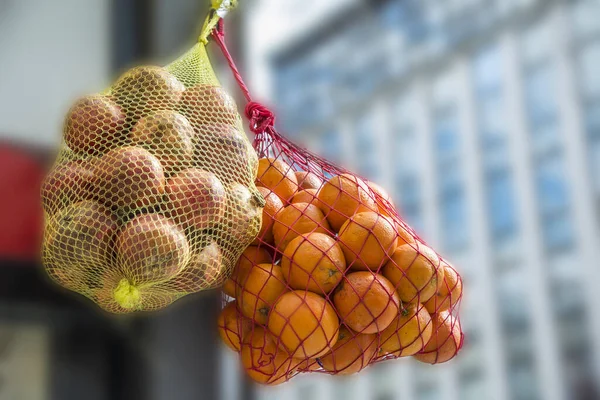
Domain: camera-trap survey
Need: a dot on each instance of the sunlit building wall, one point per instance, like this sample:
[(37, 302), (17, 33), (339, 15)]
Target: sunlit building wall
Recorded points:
[(483, 119)]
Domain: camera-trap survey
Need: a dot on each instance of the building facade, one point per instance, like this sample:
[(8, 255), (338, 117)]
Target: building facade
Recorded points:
[(483, 118)]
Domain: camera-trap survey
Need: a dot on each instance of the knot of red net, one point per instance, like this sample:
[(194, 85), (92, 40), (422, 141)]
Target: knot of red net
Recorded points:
[(260, 117)]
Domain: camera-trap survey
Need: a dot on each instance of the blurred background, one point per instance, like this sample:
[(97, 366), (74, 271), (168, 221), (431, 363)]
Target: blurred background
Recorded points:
[(482, 117)]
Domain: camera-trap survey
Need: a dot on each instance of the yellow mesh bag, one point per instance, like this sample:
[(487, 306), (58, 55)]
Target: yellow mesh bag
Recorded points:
[(152, 196)]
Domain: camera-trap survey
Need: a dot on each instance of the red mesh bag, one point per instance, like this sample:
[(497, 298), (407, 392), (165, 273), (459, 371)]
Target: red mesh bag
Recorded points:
[(336, 280)]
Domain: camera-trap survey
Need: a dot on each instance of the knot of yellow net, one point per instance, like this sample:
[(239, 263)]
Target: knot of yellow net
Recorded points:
[(127, 295), (219, 8)]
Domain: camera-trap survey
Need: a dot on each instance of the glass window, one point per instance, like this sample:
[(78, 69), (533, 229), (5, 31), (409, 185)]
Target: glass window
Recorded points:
[(454, 215), (428, 392), (366, 151), (447, 141), (551, 185), (540, 95), (488, 69), (584, 17), (537, 41), (522, 381), (331, 146), (594, 151), (472, 385), (501, 205), (589, 61), (558, 231)]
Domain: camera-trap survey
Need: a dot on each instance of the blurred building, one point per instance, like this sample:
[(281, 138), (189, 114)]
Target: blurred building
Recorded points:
[(483, 117)]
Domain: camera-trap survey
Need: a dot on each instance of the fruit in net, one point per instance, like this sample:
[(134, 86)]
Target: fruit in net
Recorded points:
[(209, 105), (296, 219), (197, 198), (251, 256), (366, 302), (168, 136), (367, 240), (80, 237), (381, 206), (272, 207), (129, 178), (243, 216), (146, 89), (278, 176), (305, 324), (232, 326), (352, 352), (205, 269), (306, 196), (231, 156), (66, 184), (408, 333), (151, 249), (258, 291), (263, 359), (94, 125), (449, 293), (343, 196), (415, 274), (445, 341), (308, 180), (313, 262)]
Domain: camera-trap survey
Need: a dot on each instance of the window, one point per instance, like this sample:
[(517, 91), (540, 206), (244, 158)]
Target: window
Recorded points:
[(428, 392), (452, 198), (558, 232), (522, 381), (501, 205), (488, 70), (589, 61), (331, 146), (552, 191), (454, 214), (446, 135), (540, 95), (537, 42), (584, 17), (366, 150)]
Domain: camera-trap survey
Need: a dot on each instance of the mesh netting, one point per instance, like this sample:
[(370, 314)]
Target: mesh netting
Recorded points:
[(336, 280), (152, 196)]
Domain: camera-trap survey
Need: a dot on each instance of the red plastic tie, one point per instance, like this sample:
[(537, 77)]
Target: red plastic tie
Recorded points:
[(260, 117)]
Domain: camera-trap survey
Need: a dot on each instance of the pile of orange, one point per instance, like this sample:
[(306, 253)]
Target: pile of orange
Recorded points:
[(335, 282)]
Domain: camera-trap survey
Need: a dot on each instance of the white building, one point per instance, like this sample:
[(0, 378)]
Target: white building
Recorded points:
[(484, 116)]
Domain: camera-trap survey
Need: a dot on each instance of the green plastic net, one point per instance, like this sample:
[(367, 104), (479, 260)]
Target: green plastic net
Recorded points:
[(152, 196)]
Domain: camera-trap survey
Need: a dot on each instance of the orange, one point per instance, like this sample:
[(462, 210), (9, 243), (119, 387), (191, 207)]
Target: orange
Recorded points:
[(295, 220), (233, 326), (279, 177), (306, 196), (262, 285), (343, 196), (366, 302), (306, 365), (404, 236), (368, 239), (408, 333), (352, 352), (449, 292), (308, 180), (264, 361), (229, 288), (305, 323), (313, 262), (415, 274), (445, 342), (272, 206), (251, 256), (383, 209)]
